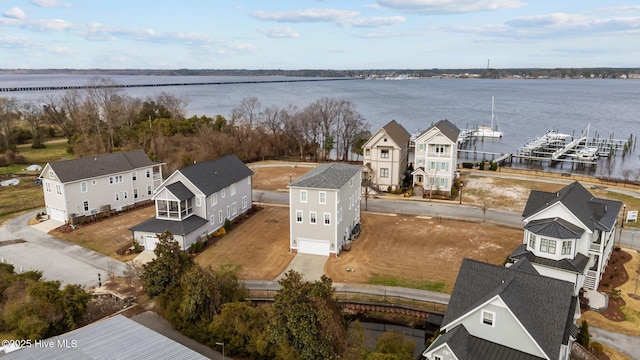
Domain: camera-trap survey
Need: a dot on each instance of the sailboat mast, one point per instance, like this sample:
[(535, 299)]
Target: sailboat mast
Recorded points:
[(492, 112)]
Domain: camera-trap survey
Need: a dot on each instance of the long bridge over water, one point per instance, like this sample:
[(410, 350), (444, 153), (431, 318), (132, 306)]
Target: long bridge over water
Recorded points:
[(111, 86)]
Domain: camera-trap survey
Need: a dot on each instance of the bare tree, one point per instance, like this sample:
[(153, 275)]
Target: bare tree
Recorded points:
[(247, 113), (175, 105), (272, 119), (8, 115), (107, 102), (324, 112), (350, 124), (33, 116), (58, 116)]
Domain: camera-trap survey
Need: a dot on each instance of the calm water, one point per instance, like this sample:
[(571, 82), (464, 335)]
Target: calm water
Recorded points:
[(525, 109)]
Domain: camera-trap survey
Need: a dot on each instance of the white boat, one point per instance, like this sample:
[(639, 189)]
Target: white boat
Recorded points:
[(489, 131)]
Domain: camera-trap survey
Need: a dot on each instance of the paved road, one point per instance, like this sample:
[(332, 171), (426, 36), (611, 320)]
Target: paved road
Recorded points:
[(57, 259), (627, 344)]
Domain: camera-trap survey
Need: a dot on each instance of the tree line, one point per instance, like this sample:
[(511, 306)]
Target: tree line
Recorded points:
[(305, 320), (102, 119)]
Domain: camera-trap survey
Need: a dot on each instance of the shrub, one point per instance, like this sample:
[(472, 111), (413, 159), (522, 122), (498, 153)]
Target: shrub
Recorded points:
[(196, 247), (596, 349), (136, 246), (583, 335), (494, 166), (227, 225), (220, 232), (467, 165)]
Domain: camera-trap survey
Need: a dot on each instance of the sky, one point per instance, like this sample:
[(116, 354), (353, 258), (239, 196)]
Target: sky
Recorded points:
[(318, 34)]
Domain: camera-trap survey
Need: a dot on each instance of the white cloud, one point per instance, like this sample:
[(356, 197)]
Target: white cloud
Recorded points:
[(49, 3), (373, 6), (450, 6), (305, 15), (14, 13), (279, 32), (374, 21)]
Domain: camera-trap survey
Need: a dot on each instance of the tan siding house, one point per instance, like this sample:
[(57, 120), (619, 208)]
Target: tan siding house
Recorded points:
[(386, 157)]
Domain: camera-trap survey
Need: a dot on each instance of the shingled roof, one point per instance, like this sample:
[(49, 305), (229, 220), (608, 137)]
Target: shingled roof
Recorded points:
[(554, 227), (447, 129), (397, 133), (523, 292), (100, 165), (212, 176), (158, 226), (595, 213), (576, 265), (327, 176)]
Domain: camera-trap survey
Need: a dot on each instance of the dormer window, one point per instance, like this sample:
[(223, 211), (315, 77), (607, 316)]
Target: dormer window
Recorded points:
[(566, 247), (548, 246), (488, 318), (532, 241)]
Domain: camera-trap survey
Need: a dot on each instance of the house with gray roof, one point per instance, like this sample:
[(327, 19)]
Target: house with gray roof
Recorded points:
[(569, 234), (195, 201), (386, 157), (324, 208), (502, 313), (436, 157), (93, 184), (117, 337)]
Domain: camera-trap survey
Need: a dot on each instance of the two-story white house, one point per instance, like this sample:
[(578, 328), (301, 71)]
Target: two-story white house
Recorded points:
[(569, 234), (501, 313), (195, 201), (93, 184), (324, 207), (386, 157), (436, 157)]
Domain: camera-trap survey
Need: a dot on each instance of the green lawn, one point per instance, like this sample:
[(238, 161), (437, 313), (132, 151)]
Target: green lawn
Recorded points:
[(27, 195)]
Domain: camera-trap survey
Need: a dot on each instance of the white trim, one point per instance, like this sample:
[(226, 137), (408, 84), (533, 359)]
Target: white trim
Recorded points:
[(491, 319)]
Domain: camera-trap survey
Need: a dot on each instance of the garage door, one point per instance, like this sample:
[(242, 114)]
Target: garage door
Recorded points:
[(150, 242), (315, 247), (57, 214)]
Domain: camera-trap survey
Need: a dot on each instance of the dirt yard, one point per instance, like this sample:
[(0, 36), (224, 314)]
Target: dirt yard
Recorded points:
[(275, 176)]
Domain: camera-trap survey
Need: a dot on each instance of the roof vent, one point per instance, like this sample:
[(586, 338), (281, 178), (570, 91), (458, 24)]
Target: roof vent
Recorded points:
[(557, 194)]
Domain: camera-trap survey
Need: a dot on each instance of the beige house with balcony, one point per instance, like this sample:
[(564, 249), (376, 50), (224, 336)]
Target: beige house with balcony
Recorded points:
[(436, 157), (386, 157), (93, 184)]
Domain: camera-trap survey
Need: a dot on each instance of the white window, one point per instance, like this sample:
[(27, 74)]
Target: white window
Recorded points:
[(234, 208), (313, 217), (148, 189), (85, 205), (135, 193), (532, 241), (115, 179), (47, 186), (350, 201), (58, 189), (249, 180), (126, 196), (303, 196), (244, 202), (117, 196), (566, 247), (214, 199), (299, 216), (420, 161), (327, 218), (350, 182), (220, 218), (384, 154), (488, 318), (232, 189), (223, 192), (323, 197), (384, 172), (52, 175), (148, 173), (83, 187), (339, 215), (134, 176), (94, 181), (212, 219), (366, 152), (228, 212), (548, 246), (437, 357), (422, 147), (198, 201)]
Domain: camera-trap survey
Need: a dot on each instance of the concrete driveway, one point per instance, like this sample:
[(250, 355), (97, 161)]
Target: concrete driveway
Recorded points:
[(57, 259), (310, 266)]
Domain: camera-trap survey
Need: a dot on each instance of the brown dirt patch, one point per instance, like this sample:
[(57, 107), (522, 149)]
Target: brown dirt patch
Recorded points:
[(614, 276), (259, 247), (109, 235), (420, 249), (277, 177)]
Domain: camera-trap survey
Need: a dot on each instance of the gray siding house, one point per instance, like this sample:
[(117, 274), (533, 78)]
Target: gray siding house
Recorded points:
[(195, 201), (502, 313), (324, 207), (93, 184)]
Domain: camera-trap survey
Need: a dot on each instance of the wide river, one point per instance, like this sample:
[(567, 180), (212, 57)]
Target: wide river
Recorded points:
[(524, 109)]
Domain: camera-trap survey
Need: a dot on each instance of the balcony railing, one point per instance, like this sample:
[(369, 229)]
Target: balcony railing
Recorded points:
[(596, 247), (438, 154)]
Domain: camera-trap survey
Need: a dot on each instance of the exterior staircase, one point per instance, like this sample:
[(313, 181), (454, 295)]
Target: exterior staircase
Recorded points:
[(418, 191)]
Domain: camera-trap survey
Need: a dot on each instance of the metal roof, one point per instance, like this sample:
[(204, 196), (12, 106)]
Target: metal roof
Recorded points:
[(117, 337), (555, 227), (100, 165), (576, 265)]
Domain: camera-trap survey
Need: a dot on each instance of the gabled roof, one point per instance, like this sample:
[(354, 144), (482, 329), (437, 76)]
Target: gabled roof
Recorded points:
[(175, 227), (523, 293), (99, 165), (447, 129), (212, 176), (397, 133), (468, 347), (595, 213), (555, 227), (180, 191), (327, 176), (576, 265)]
